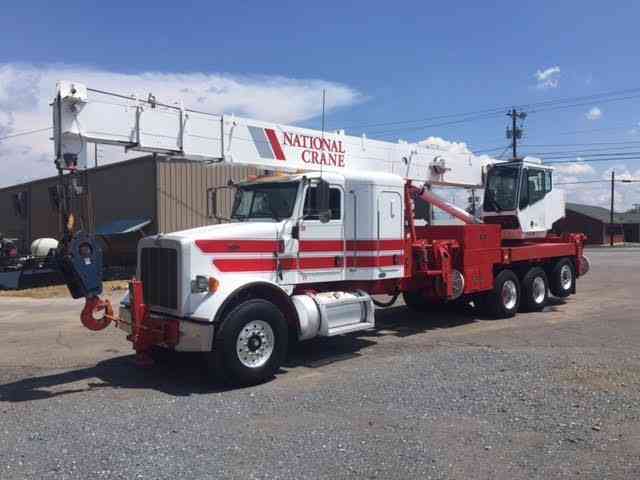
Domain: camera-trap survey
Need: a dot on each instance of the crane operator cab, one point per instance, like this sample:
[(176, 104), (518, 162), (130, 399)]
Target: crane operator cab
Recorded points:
[(520, 196)]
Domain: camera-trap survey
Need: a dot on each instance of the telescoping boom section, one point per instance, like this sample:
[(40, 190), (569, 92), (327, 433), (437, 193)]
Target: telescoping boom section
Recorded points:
[(83, 116), (305, 252)]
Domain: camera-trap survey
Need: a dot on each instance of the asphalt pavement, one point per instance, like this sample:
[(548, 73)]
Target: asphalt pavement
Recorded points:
[(554, 394)]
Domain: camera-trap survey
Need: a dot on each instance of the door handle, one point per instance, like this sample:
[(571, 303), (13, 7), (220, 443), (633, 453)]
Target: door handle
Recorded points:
[(339, 260)]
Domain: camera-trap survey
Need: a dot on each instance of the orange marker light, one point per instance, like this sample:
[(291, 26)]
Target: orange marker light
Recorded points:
[(213, 284)]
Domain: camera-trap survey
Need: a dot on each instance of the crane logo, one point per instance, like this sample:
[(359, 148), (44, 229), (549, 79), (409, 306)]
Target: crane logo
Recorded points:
[(314, 150), (267, 143)]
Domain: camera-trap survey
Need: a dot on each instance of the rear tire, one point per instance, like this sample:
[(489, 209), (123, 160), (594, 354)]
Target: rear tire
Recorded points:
[(563, 278), (535, 290), (251, 344), (504, 300)]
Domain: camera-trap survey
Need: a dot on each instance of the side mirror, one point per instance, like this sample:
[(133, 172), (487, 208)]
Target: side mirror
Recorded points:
[(322, 201), (324, 216), (218, 202)]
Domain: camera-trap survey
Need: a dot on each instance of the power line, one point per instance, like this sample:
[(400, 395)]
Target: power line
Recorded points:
[(581, 153), (593, 160), (27, 132), (574, 132), (423, 127), (551, 145), (535, 107), (582, 104), (590, 155), (598, 181)]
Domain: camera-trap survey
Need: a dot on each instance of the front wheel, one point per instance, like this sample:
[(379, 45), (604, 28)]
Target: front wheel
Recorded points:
[(251, 344), (415, 301)]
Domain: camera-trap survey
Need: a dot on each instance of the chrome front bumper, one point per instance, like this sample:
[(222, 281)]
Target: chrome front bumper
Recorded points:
[(194, 336)]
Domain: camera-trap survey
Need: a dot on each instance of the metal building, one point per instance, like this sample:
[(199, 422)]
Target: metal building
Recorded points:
[(595, 222), (125, 200)]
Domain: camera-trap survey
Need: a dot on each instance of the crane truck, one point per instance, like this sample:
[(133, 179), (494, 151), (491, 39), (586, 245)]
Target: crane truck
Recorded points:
[(308, 246)]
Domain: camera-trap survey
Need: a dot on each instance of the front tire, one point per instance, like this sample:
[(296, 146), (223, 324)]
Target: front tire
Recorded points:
[(535, 288), (251, 344), (415, 301)]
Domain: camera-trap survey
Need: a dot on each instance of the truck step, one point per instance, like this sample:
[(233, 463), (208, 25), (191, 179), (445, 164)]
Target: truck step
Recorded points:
[(354, 327)]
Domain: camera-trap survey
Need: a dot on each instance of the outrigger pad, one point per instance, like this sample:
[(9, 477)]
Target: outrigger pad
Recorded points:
[(80, 262)]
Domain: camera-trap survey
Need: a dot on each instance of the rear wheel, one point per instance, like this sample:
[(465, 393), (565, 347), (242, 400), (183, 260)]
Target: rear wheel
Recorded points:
[(562, 278), (535, 288), (251, 344), (504, 300)]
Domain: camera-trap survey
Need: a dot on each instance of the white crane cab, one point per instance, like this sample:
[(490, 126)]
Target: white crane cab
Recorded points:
[(520, 197)]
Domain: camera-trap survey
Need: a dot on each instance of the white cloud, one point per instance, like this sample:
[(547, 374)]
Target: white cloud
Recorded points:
[(26, 90), (577, 168), (599, 193), (455, 147), (594, 114), (548, 78)]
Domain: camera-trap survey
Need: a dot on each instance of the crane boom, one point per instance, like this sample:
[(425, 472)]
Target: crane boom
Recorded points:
[(83, 115)]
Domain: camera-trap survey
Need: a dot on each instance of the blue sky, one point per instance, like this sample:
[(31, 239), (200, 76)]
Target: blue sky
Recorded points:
[(382, 62)]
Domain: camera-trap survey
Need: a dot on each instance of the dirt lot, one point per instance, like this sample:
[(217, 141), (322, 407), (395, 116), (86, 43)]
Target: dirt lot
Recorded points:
[(544, 395)]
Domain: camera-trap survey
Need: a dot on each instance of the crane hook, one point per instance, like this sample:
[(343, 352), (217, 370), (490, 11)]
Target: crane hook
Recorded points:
[(90, 316)]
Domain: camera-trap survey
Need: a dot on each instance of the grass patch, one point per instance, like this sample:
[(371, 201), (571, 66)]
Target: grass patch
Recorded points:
[(61, 291)]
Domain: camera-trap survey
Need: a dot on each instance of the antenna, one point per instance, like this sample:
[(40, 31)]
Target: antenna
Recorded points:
[(324, 95)]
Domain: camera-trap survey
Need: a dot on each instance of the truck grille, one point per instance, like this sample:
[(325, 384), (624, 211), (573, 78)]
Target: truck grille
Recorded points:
[(159, 275)]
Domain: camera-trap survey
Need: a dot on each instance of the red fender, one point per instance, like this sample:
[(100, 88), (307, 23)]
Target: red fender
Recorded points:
[(93, 306)]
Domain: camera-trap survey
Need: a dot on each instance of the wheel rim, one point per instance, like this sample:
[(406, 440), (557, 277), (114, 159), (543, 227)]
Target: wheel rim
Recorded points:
[(539, 290), (509, 294), (566, 277), (255, 344)]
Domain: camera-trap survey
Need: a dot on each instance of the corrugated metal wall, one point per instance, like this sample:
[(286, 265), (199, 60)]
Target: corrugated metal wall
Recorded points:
[(182, 192), (44, 219), (124, 191), (12, 226), (171, 193)]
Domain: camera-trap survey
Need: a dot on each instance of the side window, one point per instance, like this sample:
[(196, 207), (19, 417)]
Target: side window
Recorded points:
[(548, 184), (524, 190), (335, 204), (536, 181)]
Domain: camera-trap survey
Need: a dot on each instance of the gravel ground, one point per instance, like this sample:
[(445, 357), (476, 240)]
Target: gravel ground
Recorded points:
[(545, 395)]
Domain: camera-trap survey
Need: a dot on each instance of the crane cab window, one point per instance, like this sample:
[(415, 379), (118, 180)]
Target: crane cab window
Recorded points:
[(536, 183), (310, 211)]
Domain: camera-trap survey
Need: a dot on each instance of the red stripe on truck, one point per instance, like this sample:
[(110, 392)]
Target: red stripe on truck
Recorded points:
[(309, 263), (270, 246), (239, 246)]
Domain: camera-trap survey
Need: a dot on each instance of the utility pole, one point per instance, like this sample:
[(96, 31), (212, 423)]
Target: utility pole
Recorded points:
[(613, 182), (514, 133)]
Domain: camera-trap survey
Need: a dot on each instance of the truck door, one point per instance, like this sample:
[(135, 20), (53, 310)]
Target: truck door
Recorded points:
[(536, 184), (321, 253), (390, 235)]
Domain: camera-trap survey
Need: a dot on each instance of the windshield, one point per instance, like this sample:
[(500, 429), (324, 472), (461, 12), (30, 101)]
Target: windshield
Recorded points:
[(502, 189), (265, 200)]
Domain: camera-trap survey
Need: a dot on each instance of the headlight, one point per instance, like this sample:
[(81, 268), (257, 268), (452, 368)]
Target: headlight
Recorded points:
[(202, 284)]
